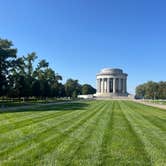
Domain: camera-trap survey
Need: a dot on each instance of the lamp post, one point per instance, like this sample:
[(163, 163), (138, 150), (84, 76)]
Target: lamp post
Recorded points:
[(154, 96)]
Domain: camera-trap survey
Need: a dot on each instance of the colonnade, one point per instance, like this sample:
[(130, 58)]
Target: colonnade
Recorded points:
[(112, 85)]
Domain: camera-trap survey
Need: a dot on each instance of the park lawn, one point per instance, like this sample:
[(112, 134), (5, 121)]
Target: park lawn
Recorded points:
[(84, 133)]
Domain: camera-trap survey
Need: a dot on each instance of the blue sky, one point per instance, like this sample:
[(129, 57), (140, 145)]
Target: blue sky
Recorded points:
[(80, 37)]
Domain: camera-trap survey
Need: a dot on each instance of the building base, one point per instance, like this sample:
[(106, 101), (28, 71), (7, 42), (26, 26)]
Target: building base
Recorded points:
[(111, 95)]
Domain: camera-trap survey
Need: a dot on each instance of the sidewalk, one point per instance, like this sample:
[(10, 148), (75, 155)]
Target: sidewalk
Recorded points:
[(151, 104)]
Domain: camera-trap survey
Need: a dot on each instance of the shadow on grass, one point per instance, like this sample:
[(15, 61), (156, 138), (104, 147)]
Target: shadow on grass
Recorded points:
[(53, 107)]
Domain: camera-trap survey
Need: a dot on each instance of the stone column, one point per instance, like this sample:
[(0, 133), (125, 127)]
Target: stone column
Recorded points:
[(98, 85), (119, 86), (126, 86), (114, 85), (103, 85), (123, 86), (111, 84), (108, 85)]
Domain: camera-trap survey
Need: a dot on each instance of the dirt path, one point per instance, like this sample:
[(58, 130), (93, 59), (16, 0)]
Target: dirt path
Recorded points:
[(151, 104)]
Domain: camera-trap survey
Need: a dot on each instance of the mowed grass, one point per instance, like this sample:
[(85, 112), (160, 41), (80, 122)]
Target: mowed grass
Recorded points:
[(84, 133)]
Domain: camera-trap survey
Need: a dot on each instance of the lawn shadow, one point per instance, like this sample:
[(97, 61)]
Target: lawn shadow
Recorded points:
[(44, 107)]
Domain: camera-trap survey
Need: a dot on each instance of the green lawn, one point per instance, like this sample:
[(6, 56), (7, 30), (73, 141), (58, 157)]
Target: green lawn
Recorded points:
[(86, 133)]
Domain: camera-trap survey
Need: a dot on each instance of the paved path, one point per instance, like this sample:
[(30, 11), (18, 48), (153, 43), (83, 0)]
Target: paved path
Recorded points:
[(151, 104), (65, 102), (33, 106)]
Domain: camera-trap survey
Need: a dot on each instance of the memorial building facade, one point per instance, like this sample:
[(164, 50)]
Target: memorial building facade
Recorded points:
[(111, 82)]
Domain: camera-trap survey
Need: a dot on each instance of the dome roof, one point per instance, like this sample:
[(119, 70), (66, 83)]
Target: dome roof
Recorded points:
[(111, 71)]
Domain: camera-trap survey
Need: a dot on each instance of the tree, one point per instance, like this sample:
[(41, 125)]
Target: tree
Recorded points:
[(45, 89), (74, 94), (141, 91), (88, 89), (29, 60), (49, 85), (152, 90), (36, 89), (162, 90), (72, 88), (61, 90), (7, 58), (19, 78)]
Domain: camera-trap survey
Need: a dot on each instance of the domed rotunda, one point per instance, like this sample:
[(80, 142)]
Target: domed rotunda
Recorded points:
[(111, 82)]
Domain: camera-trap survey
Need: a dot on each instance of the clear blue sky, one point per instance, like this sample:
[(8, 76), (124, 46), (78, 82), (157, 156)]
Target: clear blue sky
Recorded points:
[(80, 37)]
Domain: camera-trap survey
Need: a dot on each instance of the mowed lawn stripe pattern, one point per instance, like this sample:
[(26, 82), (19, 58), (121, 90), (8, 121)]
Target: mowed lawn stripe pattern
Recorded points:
[(153, 137), (45, 144), (85, 133), (75, 117)]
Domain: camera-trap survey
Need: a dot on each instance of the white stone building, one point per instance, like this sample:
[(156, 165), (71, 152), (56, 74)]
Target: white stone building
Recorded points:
[(111, 83)]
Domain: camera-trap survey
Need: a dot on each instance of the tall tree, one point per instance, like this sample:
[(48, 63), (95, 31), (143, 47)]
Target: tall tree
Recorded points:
[(162, 90), (48, 79), (29, 60), (72, 88), (7, 60), (151, 90), (141, 91), (36, 89), (88, 89)]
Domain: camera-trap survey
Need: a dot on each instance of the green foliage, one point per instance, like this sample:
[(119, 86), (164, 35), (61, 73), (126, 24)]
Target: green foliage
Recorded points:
[(7, 61), (29, 59), (152, 90), (74, 94), (88, 89), (36, 88), (72, 88), (19, 78), (162, 90)]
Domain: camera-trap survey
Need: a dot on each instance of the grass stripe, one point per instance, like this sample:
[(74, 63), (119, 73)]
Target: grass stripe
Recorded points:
[(151, 117), (47, 128), (89, 133), (84, 149), (73, 143), (154, 129), (42, 143), (25, 133), (139, 145), (107, 137), (149, 135), (22, 114)]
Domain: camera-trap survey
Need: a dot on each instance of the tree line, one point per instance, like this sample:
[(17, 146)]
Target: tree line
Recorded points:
[(151, 90), (20, 78)]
